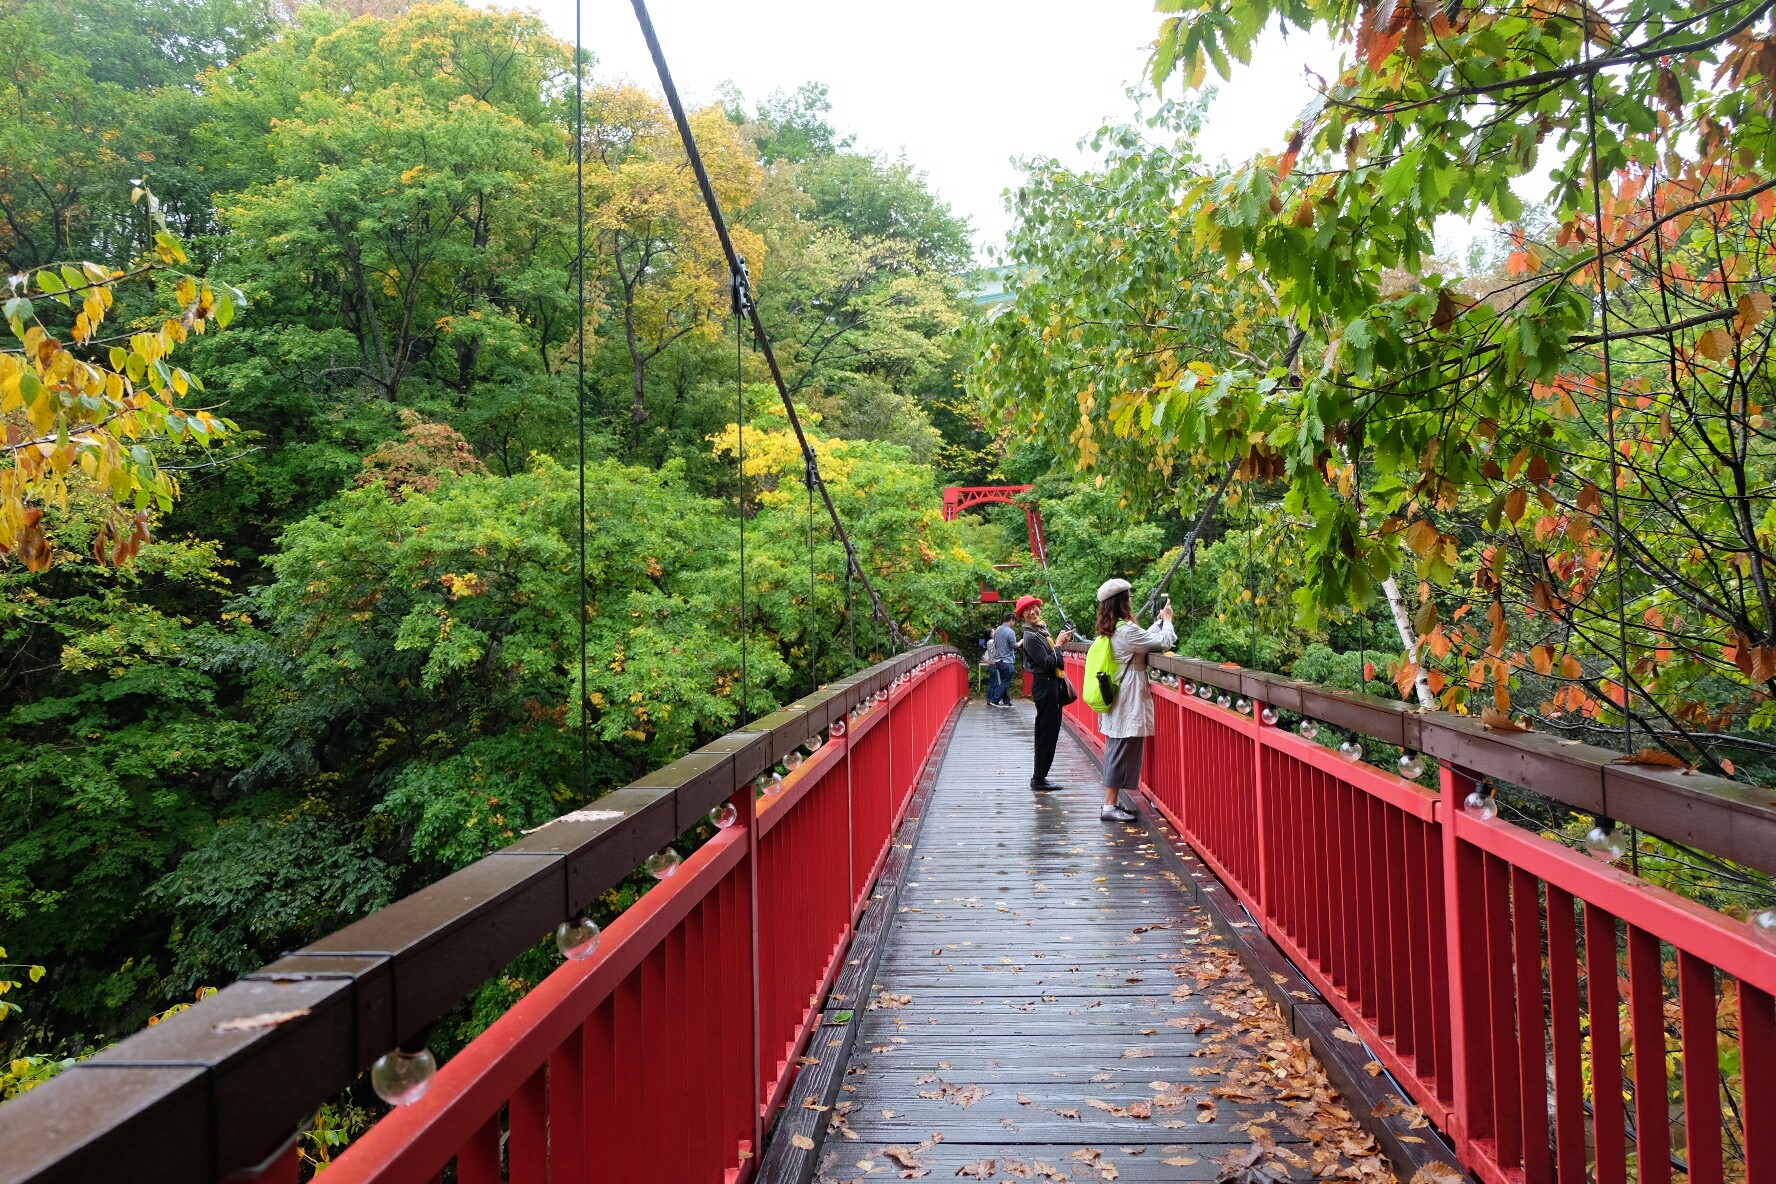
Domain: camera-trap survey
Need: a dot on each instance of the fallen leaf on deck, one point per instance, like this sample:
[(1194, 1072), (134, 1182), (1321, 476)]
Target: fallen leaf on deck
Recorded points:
[(1346, 1035), (802, 1141), (980, 1169), (255, 1023)]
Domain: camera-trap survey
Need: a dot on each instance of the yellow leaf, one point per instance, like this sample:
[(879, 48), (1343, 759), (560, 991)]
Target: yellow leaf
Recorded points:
[(1716, 344)]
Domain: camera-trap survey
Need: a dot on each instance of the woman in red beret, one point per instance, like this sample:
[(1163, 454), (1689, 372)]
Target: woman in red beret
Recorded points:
[(1044, 663)]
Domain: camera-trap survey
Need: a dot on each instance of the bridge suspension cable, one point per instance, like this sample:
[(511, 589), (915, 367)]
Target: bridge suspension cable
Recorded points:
[(749, 310)]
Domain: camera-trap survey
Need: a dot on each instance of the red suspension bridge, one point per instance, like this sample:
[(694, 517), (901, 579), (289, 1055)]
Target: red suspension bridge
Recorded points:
[(1501, 981)]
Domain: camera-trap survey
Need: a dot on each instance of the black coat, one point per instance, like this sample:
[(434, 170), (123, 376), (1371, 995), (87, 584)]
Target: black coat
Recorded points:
[(1043, 663)]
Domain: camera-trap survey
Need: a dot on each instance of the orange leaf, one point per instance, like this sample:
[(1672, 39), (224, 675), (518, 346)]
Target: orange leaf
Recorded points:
[(1498, 721), (1654, 757)]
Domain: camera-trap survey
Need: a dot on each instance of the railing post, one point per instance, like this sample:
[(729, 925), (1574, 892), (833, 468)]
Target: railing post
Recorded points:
[(1459, 925), (747, 802), (1259, 809)]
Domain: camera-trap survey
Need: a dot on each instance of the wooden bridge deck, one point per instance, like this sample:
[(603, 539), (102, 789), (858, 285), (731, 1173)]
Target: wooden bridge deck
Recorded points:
[(1051, 1005)]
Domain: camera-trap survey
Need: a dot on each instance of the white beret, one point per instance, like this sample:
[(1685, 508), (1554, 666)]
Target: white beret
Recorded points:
[(1110, 588)]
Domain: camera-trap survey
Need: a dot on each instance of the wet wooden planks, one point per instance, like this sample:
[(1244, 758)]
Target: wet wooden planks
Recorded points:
[(1051, 1004)]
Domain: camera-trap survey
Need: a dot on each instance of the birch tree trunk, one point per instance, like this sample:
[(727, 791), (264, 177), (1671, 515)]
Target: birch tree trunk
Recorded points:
[(1421, 681)]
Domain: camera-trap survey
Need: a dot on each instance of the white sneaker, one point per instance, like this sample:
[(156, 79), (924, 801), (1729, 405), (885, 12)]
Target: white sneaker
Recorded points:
[(1115, 814)]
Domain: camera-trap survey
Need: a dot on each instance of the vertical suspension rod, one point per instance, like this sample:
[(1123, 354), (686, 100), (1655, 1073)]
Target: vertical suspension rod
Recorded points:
[(736, 268)]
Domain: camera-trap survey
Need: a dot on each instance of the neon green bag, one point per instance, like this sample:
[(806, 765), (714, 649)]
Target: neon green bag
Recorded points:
[(1102, 676)]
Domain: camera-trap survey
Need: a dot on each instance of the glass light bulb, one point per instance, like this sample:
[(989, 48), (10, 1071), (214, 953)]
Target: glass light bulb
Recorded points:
[(1243, 707), (1268, 715), (402, 1078), (724, 816), (776, 782), (837, 729), (1204, 691), (1481, 805), (813, 744), (762, 783), (1764, 925), (1412, 766), (1222, 701), (1606, 845), (1308, 729), (1189, 687), (663, 864), (1351, 750), (578, 938), (793, 761)]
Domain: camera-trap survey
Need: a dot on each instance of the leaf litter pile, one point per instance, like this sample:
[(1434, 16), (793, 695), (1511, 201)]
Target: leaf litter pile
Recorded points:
[(1258, 1085)]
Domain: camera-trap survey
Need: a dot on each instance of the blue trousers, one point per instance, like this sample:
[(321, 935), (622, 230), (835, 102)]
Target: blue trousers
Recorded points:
[(999, 676)]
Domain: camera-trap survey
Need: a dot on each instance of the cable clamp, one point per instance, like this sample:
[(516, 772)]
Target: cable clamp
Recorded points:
[(740, 285)]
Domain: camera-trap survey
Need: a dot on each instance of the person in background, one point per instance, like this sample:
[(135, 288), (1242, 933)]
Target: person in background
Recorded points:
[(1044, 665), (1129, 721), (1004, 664)]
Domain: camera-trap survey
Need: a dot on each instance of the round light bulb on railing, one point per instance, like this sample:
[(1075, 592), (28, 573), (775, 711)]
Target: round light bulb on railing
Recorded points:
[(793, 761), (663, 864), (1223, 701), (402, 1078), (762, 783), (724, 816), (1606, 845), (1308, 729), (1412, 766), (1764, 925), (814, 744), (1204, 691), (1480, 805), (1243, 706), (1351, 750), (837, 728), (882, 696), (1268, 715), (578, 938), (774, 782), (1189, 687)]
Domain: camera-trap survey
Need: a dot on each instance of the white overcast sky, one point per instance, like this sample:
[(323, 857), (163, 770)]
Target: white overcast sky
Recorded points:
[(961, 86)]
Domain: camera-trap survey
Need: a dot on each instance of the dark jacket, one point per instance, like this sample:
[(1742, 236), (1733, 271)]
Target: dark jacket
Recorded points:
[(1041, 660)]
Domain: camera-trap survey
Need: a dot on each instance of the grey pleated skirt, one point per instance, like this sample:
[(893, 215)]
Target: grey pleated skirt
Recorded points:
[(1122, 761)]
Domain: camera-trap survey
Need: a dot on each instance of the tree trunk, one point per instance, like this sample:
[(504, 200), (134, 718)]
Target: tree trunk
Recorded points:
[(1421, 681)]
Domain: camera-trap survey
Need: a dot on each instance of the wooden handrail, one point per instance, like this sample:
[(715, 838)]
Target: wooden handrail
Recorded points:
[(1725, 818)]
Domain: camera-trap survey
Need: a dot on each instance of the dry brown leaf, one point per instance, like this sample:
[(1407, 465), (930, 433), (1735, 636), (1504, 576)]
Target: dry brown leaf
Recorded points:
[(1656, 758), (1132, 1054), (256, 1023), (980, 1169), (1178, 1161), (1346, 1035), (1437, 1172), (802, 1141), (1495, 720)]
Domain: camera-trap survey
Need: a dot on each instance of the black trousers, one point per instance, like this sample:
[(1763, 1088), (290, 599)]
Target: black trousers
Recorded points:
[(1048, 734)]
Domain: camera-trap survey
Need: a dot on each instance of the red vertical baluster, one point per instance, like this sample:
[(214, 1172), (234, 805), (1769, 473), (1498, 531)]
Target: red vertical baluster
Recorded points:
[(527, 1147), (570, 1074), (1646, 1005), (1501, 1046), (1609, 1126), (1436, 952), (1422, 998), (1464, 916), (478, 1160), (1532, 1055), (1757, 1064), (1564, 1011), (1393, 907), (1701, 1070)]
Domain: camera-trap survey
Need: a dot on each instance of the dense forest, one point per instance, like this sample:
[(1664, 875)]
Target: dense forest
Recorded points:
[(300, 632), (309, 638)]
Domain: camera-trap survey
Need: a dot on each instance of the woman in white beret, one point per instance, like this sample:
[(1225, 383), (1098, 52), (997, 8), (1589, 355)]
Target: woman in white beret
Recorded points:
[(1129, 721)]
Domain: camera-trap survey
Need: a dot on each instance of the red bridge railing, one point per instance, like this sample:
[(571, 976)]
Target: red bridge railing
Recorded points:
[(662, 1056), (1561, 1020)]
